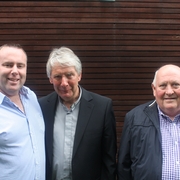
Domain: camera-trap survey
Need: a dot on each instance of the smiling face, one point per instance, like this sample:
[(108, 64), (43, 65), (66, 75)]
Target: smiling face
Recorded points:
[(166, 90), (65, 81), (13, 65)]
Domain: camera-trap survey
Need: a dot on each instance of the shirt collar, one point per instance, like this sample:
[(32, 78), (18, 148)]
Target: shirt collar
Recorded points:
[(164, 116), (75, 103), (23, 91)]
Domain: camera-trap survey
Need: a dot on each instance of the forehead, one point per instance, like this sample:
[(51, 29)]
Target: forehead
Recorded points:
[(63, 69), (12, 54), (170, 73)]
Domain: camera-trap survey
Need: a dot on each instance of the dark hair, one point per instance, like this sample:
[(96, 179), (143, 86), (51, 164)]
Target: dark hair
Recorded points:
[(14, 45)]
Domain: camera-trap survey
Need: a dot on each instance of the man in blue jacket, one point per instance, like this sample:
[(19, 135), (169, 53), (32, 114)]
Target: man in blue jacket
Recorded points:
[(150, 142)]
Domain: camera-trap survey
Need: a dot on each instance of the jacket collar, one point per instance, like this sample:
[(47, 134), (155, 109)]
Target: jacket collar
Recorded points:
[(152, 112)]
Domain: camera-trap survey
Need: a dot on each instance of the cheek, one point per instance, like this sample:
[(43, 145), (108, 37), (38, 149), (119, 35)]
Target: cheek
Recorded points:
[(55, 83), (72, 82), (23, 71), (177, 92), (158, 94)]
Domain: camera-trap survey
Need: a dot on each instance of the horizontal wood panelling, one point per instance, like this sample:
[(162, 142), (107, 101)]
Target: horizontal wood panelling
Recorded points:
[(120, 43)]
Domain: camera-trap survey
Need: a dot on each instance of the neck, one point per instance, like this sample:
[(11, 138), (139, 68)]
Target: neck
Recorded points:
[(17, 100)]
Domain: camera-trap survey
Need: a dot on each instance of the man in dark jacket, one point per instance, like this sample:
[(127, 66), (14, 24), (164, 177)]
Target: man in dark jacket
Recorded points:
[(149, 147), (80, 127)]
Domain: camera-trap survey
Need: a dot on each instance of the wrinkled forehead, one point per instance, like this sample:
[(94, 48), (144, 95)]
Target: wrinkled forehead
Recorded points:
[(63, 68)]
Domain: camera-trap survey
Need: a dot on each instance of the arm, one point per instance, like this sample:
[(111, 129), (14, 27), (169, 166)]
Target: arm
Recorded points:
[(124, 158), (109, 147)]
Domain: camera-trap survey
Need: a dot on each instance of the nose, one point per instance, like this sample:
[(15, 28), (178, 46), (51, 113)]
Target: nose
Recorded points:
[(64, 81), (169, 90), (14, 70)]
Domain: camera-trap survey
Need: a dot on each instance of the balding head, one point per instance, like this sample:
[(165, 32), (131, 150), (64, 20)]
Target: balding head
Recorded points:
[(166, 89)]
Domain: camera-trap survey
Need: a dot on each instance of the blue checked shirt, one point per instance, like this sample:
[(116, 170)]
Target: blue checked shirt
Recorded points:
[(170, 132)]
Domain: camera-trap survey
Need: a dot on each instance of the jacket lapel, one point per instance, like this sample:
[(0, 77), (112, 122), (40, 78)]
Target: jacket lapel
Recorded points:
[(85, 111)]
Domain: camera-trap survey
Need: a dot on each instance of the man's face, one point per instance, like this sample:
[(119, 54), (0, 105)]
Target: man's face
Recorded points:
[(13, 65), (65, 81), (167, 90)]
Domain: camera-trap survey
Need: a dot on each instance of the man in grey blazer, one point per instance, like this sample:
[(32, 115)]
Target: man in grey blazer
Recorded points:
[(80, 132)]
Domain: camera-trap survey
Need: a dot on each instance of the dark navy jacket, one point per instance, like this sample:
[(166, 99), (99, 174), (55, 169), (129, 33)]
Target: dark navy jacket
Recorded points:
[(140, 153)]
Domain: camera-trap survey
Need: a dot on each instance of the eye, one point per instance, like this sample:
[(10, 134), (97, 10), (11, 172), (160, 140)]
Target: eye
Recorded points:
[(162, 86), (69, 75), (20, 66), (8, 65), (176, 85), (57, 77)]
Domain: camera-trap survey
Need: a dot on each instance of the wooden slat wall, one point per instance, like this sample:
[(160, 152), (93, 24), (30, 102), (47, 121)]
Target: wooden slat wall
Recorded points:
[(120, 43)]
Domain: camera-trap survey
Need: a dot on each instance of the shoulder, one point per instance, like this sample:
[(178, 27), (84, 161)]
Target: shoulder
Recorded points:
[(142, 113), (141, 107), (94, 96), (27, 92), (31, 97), (52, 96)]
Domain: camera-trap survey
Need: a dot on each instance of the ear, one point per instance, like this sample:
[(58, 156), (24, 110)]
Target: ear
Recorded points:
[(51, 80), (79, 78), (154, 89)]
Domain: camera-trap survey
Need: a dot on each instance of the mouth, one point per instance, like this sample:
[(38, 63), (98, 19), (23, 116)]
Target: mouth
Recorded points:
[(64, 91), (13, 79), (169, 99)]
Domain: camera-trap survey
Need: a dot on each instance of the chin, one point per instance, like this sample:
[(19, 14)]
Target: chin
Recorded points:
[(171, 108)]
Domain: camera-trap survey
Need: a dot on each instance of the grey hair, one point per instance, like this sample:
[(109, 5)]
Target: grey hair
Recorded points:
[(64, 57), (155, 76)]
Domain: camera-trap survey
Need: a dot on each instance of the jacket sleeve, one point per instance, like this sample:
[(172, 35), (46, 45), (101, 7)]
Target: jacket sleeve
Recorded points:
[(124, 159), (109, 145)]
